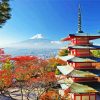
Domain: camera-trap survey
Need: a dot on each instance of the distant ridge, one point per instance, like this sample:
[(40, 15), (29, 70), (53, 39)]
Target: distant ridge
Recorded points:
[(38, 41)]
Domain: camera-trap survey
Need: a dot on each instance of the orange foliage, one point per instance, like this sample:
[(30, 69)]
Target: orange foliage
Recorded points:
[(24, 60), (45, 78), (6, 77), (99, 79), (97, 65), (53, 95), (32, 70), (50, 95), (61, 62), (29, 73), (49, 77), (56, 61), (30, 61)]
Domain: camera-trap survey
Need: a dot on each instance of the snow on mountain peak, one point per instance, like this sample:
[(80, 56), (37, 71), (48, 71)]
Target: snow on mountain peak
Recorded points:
[(37, 36)]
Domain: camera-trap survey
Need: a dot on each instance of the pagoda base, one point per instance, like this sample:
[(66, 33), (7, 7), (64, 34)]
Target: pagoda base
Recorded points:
[(83, 96)]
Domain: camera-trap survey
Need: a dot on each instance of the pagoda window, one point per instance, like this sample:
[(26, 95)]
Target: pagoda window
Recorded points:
[(85, 97), (70, 64), (80, 40), (83, 64), (74, 64), (78, 98), (92, 97), (73, 52), (83, 52)]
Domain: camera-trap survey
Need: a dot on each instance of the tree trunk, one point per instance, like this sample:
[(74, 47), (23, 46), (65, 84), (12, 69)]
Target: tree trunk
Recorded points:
[(21, 87), (37, 98), (28, 96)]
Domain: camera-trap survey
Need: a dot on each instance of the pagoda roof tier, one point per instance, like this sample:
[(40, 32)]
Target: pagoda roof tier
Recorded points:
[(69, 71), (95, 85), (80, 74), (94, 71), (84, 59), (65, 58), (90, 37), (64, 80), (78, 88), (84, 47), (65, 70), (79, 59)]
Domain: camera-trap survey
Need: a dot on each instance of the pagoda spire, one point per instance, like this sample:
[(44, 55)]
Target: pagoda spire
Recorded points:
[(79, 20)]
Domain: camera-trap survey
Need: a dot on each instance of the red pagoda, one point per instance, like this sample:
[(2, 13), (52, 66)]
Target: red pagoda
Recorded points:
[(81, 74)]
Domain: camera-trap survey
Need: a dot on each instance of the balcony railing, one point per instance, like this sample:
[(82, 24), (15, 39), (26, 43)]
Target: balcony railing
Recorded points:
[(85, 79), (80, 43), (83, 54), (84, 67)]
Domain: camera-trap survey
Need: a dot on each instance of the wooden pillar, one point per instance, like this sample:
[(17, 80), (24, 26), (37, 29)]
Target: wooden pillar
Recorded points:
[(76, 40), (89, 96), (81, 97), (95, 96), (74, 97)]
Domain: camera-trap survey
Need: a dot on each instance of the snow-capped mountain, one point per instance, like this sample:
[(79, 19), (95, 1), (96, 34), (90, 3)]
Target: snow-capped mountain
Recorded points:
[(36, 45), (38, 41)]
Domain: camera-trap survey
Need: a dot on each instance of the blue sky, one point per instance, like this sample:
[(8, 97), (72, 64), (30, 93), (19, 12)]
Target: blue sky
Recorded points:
[(54, 19)]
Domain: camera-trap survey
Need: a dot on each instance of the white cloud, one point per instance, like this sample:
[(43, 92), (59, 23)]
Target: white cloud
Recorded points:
[(55, 42), (37, 36)]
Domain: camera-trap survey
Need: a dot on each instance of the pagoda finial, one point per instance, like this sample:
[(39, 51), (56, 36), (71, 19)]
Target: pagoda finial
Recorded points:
[(79, 20)]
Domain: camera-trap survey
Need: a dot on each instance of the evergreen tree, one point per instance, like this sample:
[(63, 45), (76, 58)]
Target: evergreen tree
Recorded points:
[(4, 11)]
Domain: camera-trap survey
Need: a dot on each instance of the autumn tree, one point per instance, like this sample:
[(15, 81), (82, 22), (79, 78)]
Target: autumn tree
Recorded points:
[(6, 78), (54, 95), (31, 75), (53, 62), (25, 67), (51, 95), (42, 84)]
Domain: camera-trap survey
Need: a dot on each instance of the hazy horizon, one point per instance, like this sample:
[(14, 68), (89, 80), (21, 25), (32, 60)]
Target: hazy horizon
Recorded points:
[(52, 18)]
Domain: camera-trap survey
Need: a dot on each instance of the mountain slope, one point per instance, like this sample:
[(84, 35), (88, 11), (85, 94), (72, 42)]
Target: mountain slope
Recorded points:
[(37, 43)]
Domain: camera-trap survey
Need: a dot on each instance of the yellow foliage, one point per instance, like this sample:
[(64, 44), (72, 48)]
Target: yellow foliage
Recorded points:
[(63, 52)]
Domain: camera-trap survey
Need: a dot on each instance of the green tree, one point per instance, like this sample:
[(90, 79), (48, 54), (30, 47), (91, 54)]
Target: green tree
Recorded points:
[(4, 11), (7, 65), (96, 53), (63, 52)]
